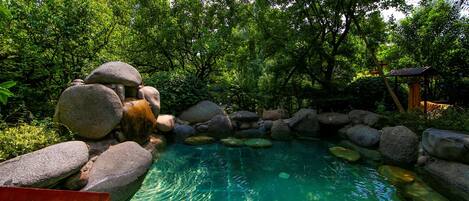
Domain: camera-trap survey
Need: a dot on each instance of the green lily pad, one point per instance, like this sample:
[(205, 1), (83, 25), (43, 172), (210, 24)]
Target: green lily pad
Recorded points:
[(258, 143), (396, 175), (344, 153)]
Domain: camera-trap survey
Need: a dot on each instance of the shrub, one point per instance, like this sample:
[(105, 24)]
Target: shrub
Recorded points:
[(178, 91), (370, 93), (454, 118), (25, 138)]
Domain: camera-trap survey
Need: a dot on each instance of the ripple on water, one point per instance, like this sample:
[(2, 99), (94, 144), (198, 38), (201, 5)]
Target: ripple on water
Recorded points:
[(214, 172)]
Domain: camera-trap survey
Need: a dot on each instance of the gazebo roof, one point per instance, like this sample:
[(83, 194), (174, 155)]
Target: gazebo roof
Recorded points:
[(408, 72)]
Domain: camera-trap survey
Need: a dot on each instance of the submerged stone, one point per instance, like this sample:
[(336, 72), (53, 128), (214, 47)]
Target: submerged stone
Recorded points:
[(419, 191), (199, 140), (344, 153), (396, 175), (283, 175), (258, 143), (232, 142)]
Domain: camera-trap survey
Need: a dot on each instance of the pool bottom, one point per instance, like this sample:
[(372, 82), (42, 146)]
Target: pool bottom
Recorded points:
[(297, 170)]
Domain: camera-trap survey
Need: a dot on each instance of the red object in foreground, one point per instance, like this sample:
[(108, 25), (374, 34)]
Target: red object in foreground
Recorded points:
[(37, 194)]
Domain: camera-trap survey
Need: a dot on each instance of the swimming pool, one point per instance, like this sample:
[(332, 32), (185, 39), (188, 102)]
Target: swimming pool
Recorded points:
[(297, 170)]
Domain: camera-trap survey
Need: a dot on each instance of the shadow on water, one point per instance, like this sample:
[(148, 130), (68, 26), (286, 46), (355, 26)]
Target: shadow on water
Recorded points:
[(287, 171)]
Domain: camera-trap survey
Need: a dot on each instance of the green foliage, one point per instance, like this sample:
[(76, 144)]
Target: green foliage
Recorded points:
[(453, 118), (178, 91), (25, 138), (371, 93), (435, 35), (46, 44), (5, 92)]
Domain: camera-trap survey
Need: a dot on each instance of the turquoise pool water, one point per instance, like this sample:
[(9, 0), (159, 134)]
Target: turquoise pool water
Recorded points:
[(287, 171)]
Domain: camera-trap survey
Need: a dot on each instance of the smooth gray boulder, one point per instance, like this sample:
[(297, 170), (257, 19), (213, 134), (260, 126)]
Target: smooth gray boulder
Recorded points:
[(201, 112), (363, 135), (220, 127), (45, 167), (305, 123), (445, 144), (115, 72), (281, 131), (90, 110), (165, 122), (449, 178), (181, 132), (364, 117), (244, 116), (333, 119), (119, 171), (399, 145), (152, 95), (250, 133)]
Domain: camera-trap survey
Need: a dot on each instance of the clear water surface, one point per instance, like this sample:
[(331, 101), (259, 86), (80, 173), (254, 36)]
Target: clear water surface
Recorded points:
[(287, 171)]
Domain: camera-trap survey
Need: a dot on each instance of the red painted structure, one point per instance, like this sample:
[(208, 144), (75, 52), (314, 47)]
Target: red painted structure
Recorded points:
[(37, 194)]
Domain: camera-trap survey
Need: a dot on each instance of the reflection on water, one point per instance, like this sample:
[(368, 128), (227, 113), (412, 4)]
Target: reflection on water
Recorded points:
[(214, 172)]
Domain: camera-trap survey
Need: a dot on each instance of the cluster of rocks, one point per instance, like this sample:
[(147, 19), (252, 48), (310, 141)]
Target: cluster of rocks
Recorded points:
[(211, 121), (441, 156), (116, 118)]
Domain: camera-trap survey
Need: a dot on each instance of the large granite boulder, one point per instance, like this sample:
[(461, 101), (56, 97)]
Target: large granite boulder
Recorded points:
[(445, 144), (138, 120), (281, 131), (274, 114), (181, 132), (449, 178), (119, 171), (91, 111), (45, 167), (244, 116), (96, 147), (152, 95), (363, 135), (220, 127), (115, 72), (399, 145), (165, 122), (201, 112), (364, 117), (333, 119), (305, 123)]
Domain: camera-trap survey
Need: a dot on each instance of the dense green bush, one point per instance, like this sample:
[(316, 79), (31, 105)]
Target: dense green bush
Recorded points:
[(178, 91), (25, 138), (370, 93), (453, 118)]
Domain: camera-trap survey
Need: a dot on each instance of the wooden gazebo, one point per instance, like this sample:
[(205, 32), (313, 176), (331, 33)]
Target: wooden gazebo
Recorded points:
[(415, 76)]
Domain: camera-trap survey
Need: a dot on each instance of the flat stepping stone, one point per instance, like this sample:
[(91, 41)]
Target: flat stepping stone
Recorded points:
[(258, 143), (199, 140), (344, 153), (396, 175), (232, 142)]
